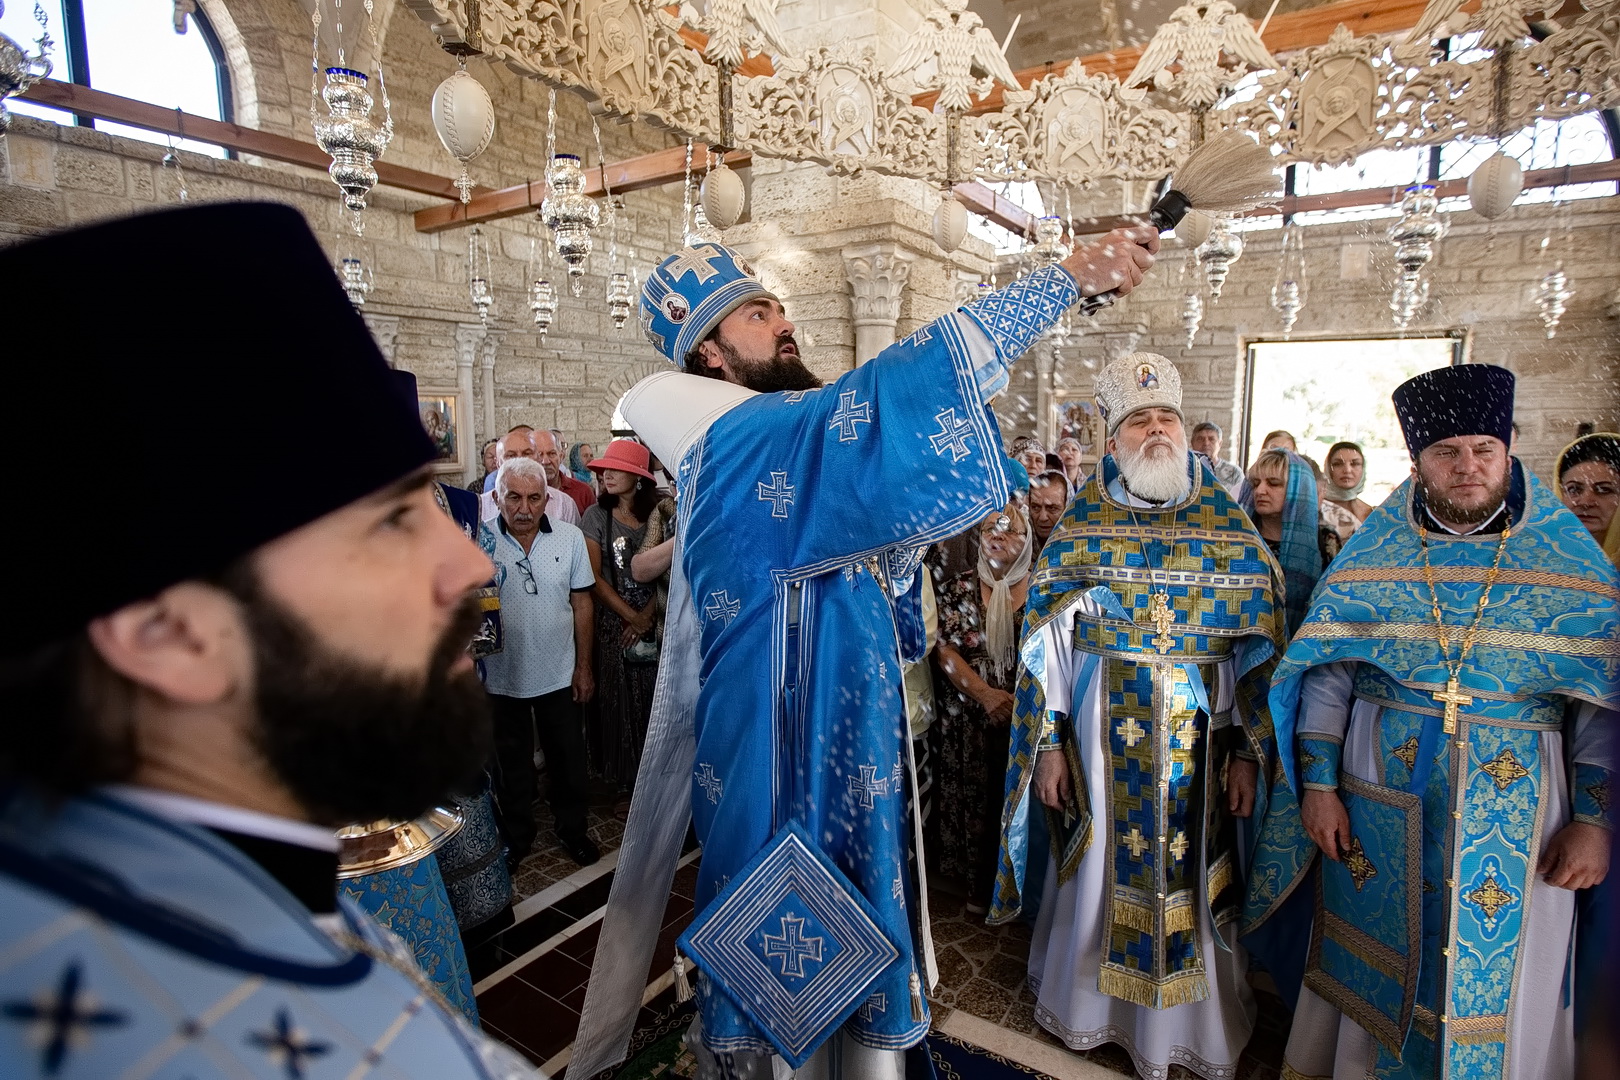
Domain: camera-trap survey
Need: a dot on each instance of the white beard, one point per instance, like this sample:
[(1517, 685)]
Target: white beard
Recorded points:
[(1161, 478)]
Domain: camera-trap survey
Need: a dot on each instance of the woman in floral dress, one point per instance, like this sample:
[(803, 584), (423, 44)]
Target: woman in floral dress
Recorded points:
[(980, 615)]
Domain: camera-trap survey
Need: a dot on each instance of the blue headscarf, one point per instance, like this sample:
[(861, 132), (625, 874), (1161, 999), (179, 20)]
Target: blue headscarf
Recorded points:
[(1301, 554), (1017, 475), (577, 465)]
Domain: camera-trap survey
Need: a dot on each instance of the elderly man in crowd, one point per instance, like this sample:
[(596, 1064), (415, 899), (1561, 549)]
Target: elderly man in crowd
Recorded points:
[(1206, 439), (548, 450), (1140, 727), (542, 675), (1048, 495), (192, 720), (523, 441)]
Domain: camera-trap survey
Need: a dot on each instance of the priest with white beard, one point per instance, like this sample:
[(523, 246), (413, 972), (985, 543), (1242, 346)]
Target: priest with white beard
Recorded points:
[(1141, 728)]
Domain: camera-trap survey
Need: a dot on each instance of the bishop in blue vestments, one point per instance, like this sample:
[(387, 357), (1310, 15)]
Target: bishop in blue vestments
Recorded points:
[(804, 514), (191, 718)]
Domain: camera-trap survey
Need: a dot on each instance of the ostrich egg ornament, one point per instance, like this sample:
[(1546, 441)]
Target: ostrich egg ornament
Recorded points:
[(464, 117), (950, 224), (722, 197), (1494, 185), (1194, 228)]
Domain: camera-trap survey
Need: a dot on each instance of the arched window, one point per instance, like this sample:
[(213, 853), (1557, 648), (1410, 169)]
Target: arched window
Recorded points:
[(129, 48)]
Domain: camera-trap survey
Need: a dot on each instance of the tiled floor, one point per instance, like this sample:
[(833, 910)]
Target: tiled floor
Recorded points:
[(547, 863), (982, 973), (531, 977)]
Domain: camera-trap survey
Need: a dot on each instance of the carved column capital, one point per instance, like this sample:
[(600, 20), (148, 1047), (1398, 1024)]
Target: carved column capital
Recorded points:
[(877, 273), (468, 338), (1121, 341), (385, 331), (487, 346)]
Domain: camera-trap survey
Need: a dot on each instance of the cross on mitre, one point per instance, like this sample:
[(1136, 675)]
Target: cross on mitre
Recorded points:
[(696, 261)]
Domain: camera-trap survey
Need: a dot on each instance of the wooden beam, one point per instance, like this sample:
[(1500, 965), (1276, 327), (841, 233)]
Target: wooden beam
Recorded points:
[(1286, 33), (104, 106), (633, 174), (1593, 173), (987, 204)]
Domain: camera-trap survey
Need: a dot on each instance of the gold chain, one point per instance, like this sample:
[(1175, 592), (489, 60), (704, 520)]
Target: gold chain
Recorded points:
[(1454, 667)]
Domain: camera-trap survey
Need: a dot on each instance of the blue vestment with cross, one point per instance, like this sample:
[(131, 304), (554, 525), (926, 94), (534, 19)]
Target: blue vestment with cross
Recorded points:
[(804, 517)]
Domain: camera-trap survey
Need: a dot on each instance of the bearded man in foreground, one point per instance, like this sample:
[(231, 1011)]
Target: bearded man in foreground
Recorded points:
[(1445, 714), (1149, 643), (193, 710)]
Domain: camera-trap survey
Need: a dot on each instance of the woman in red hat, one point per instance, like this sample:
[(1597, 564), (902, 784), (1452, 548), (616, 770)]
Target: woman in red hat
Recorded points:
[(626, 652)]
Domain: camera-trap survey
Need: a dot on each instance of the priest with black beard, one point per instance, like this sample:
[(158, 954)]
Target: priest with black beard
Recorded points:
[(197, 700)]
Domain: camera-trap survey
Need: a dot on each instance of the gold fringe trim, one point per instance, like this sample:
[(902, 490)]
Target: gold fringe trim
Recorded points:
[(1180, 919), (1220, 876), (1131, 916), (1291, 1073), (1141, 990)]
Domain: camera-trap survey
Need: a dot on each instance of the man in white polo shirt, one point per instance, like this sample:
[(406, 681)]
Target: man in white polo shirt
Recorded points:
[(542, 674)]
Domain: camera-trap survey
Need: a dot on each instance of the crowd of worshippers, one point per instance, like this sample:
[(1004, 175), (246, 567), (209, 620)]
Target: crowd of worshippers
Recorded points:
[(582, 548)]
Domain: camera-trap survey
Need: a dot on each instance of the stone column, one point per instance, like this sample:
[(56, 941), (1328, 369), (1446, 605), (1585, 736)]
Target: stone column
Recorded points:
[(385, 331), (1045, 355), (486, 355), (469, 336), (877, 273)]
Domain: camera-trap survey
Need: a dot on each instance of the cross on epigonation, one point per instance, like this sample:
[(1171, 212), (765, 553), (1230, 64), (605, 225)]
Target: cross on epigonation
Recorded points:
[(952, 436), (1136, 842), (1453, 697), (712, 785), (1131, 731), (867, 785), (61, 1019), (288, 1045), (792, 947), (877, 1003), (694, 261), (850, 412), (721, 606), (779, 493)]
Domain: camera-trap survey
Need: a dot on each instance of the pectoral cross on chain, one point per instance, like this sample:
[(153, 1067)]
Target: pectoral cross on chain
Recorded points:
[(1453, 697), (1163, 618)]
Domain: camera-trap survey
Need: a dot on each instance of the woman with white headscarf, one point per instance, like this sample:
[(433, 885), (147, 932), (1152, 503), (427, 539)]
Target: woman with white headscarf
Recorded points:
[(1341, 486), (980, 615)]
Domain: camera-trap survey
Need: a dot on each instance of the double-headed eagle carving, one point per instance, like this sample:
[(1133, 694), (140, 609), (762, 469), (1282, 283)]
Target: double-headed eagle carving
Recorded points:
[(1196, 35), (956, 41), (727, 21)]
